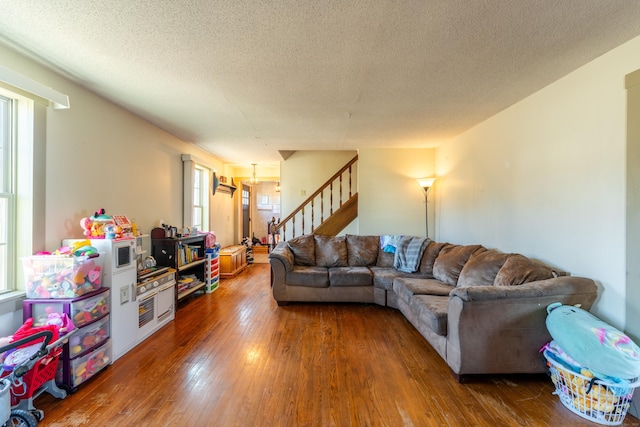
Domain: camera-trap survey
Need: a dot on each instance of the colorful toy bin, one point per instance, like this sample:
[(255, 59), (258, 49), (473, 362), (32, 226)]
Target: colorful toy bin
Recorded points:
[(61, 276)]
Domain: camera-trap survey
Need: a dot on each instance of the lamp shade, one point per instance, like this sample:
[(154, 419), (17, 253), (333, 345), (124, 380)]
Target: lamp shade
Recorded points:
[(425, 182)]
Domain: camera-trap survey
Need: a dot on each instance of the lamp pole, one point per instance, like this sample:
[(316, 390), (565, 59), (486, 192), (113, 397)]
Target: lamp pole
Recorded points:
[(425, 184), (426, 209)]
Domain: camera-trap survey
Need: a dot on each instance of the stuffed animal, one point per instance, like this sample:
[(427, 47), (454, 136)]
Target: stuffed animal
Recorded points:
[(93, 226)]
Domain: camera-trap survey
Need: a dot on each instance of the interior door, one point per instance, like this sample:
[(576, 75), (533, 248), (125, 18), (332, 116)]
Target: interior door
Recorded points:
[(246, 211)]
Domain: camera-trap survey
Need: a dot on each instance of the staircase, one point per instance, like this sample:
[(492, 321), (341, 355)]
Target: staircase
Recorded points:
[(328, 210)]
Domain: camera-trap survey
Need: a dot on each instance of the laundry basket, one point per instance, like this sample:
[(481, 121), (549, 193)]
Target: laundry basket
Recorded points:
[(596, 400)]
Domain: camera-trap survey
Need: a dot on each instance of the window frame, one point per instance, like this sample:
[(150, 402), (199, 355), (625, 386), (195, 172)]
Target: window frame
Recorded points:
[(7, 192), (190, 163), (200, 193), (28, 159)]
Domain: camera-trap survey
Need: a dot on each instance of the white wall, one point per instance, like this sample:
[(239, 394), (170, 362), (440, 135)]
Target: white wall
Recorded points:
[(304, 172), (546, 178), (101, 156), (390, 199)]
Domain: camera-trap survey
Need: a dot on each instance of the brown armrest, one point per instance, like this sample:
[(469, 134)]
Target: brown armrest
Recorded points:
[(283, 253)]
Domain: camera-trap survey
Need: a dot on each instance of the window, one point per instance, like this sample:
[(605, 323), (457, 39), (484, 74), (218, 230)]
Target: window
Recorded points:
[(245, 198), (23, 112), (196, 193), (22, 185), (7, 195), (200, 198)]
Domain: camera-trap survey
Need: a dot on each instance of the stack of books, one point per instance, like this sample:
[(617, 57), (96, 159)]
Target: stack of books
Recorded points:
[(189, 253)]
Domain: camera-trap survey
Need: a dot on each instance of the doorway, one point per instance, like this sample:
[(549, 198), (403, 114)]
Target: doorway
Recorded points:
[(246, 211), (260, 203)]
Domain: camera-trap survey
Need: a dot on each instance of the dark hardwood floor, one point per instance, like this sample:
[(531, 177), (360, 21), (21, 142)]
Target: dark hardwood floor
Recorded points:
[(234, 358)]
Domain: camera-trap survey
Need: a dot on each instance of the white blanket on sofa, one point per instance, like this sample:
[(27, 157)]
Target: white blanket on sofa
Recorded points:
[(409, 253)]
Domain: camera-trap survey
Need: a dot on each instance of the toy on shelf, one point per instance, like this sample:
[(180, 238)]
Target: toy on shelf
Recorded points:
[(93, 226), (103, 226), (124, 226)]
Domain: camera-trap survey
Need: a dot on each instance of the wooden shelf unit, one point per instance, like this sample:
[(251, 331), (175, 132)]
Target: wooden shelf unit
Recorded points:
[(186, 255), (223, 187)]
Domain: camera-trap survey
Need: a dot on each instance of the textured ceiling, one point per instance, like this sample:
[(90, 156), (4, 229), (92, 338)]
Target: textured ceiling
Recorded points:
[(244, 79)]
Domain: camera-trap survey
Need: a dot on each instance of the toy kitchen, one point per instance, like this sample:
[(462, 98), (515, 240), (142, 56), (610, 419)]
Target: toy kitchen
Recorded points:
[(142, 295)]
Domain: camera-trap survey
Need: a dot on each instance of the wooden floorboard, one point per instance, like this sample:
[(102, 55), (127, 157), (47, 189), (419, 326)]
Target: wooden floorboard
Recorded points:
[(234, 358)]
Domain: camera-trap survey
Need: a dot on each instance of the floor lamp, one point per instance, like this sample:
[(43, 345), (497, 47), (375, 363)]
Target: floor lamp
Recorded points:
[(426, 184)]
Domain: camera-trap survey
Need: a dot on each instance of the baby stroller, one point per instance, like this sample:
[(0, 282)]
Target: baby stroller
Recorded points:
[(33, 370)]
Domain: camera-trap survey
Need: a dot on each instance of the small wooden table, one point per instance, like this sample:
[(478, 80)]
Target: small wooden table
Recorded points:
[(233, 260)]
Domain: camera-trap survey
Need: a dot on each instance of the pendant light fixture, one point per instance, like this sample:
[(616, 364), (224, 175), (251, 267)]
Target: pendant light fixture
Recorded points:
[(253, 180)]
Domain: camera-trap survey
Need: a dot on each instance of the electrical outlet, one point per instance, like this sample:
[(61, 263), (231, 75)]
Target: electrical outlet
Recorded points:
[(124, 295)]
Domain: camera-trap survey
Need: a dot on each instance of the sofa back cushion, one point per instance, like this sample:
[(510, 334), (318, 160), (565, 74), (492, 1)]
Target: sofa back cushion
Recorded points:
[(429, 257), (304, 249), (385, 258), (331, 251), (451, 260), (481, 268), (362, 251), (519, 269)]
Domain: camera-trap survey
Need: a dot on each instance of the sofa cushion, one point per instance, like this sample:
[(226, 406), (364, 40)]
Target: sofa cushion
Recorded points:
[(350, 276), (304, 249), (451, 260), (331, 251), (385, 259), (362, 251), (482, 268), (429, 257), (519, 269), (383, 276), (309, 276), (405, 287), (432, 311)]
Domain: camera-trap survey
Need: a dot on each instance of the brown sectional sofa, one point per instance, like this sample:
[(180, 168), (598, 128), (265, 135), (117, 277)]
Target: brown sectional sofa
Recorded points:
[(482, 310)]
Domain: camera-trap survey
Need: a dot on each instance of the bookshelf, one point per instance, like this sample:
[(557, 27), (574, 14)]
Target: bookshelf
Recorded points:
[(187, 256)]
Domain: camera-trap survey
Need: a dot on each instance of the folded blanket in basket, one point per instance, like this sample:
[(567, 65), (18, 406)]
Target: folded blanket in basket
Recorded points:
[(592, 343), (409, 253)]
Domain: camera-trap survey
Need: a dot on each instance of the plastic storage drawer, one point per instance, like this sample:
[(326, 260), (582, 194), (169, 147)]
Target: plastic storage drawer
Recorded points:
[(85, 367), (88, 337), (82, 310), (87, 310)]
